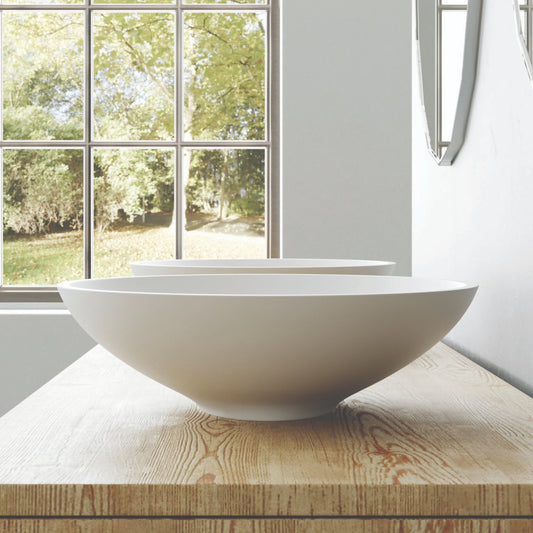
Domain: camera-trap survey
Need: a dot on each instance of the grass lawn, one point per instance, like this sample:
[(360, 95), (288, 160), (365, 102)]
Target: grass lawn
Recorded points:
[(43, 260), (49, 259)]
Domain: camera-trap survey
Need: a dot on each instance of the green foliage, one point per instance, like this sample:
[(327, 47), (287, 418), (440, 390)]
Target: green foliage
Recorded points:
[(42, 57), (134, 98), (224, 76), (134, 76), (225, 99), (129, 182), (43, 190), (238, 173)]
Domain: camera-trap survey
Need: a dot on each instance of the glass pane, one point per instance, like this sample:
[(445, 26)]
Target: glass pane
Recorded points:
[(226, 2), (225, 204), (42, 70), (133, 208), (17, 2), (453, 42), (43, 216), (224, 76), (452, 2), (133, 76)]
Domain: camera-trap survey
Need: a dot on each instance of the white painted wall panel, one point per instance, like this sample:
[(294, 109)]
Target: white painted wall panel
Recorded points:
[(346, 130), (34, 347)]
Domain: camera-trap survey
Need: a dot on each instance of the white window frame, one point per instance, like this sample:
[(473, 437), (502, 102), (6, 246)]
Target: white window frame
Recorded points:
[(271, 143)]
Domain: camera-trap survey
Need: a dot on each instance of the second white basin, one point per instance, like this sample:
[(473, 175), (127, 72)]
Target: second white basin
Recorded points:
[(262, 266)]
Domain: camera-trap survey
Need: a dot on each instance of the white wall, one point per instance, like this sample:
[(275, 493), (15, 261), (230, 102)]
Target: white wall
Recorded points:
[(346, 162), (473, 220), (34, 347), (346, 130)]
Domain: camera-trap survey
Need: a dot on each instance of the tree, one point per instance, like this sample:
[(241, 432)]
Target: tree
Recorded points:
[(43, 100), (130, 182), (43, 190), (134, 76), (224, 76), (242, 171), (134, 97), (224, 100), (42, 75)]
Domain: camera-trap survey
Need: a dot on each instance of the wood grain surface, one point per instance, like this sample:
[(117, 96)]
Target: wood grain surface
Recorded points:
[(440, 438), (199, 525)]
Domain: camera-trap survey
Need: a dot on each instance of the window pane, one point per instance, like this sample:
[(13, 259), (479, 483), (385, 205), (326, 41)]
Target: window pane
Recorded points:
[(225, 203), (133, 208), (17, 2), (224, 76), (42, 70), (453, 41), (42, 218), (133, 76)]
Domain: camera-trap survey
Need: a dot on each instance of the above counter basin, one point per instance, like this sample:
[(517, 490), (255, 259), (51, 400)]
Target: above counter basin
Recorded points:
[(261, 266), (267, 347)]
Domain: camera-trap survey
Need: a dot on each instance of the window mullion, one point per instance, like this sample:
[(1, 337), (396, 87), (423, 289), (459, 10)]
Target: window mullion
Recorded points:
[(178, 125), (88, 152), (272, 189)]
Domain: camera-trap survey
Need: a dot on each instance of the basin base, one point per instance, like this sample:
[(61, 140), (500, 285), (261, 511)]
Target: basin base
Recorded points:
[(266, 413)]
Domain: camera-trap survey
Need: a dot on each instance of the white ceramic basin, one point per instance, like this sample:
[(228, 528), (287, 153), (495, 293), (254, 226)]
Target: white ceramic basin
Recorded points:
[(261, 266), (267, 347)]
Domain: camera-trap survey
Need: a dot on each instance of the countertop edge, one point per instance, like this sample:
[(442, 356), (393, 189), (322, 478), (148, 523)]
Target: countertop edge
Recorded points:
[(327, 500)]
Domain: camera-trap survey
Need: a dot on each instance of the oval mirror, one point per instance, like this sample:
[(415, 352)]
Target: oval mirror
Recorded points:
[(447, 36), (524, 22)]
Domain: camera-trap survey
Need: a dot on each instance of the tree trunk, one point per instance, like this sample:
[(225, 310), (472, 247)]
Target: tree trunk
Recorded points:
[(223, 179)]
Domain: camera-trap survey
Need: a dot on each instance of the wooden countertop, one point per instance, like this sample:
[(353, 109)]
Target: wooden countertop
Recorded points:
[(440, 438)]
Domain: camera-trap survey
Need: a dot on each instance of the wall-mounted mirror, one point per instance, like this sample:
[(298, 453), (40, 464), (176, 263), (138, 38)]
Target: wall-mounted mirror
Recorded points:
[(524, 20), (447, 35)]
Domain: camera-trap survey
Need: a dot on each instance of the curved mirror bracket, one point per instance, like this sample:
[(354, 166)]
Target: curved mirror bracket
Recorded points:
[(447, 36), (524, 24)]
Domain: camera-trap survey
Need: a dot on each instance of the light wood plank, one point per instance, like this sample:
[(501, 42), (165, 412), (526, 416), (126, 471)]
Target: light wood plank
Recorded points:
[(266, 526), (442, 437)]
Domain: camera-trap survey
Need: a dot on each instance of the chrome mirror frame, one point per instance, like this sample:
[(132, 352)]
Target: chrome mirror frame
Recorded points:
[(523, 40), (468, 81)]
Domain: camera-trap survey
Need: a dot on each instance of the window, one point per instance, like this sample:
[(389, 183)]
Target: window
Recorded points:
[(135, 130)]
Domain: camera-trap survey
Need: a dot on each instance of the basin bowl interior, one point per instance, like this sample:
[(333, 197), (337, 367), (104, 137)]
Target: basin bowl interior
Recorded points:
[(264, 346), (263, 266)]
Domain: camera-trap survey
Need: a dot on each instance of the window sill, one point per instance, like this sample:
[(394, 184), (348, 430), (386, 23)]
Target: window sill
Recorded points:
[(37, 308), (33, 296)]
